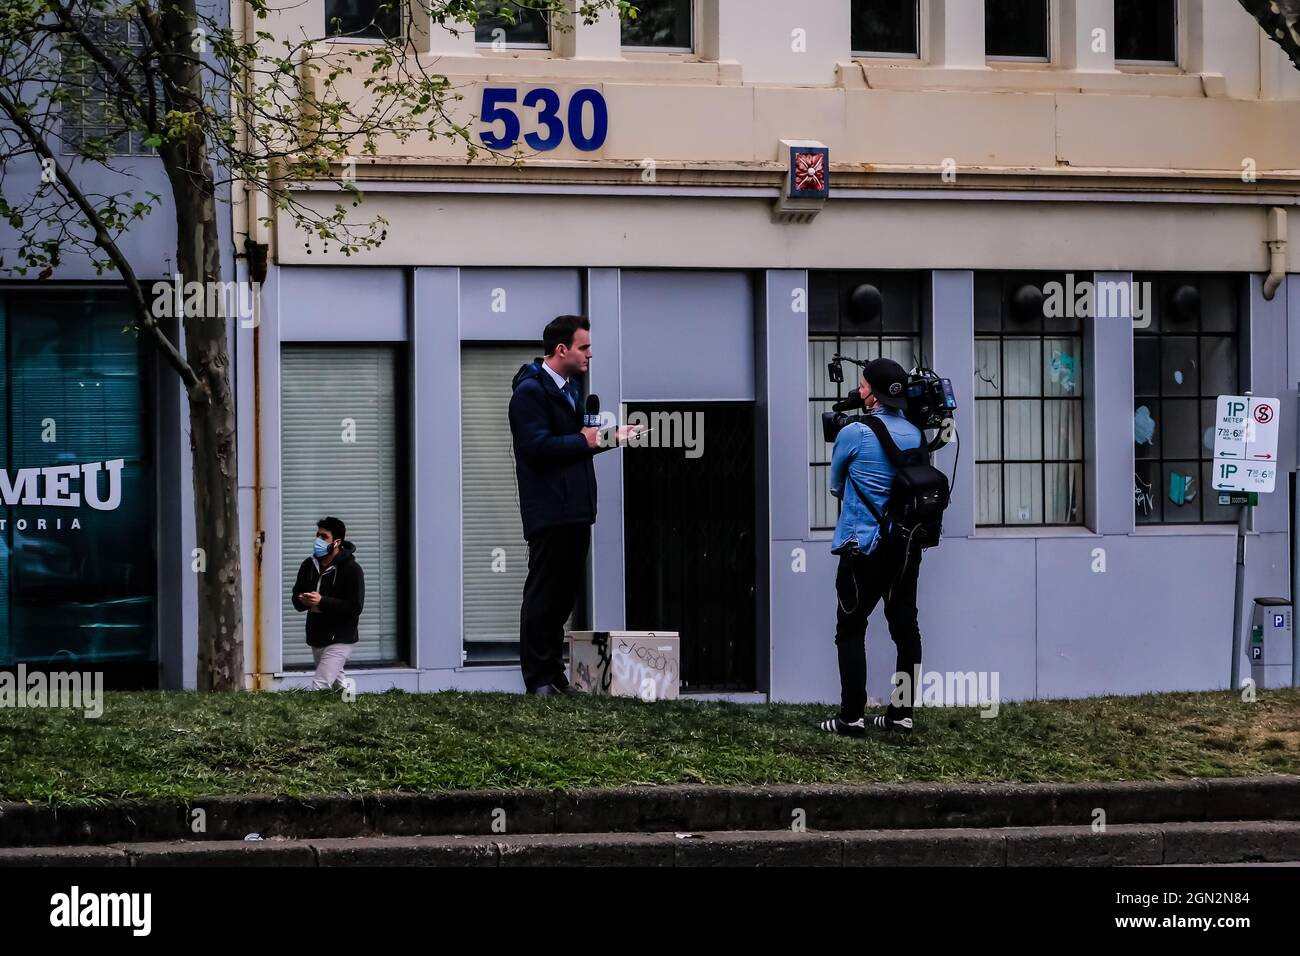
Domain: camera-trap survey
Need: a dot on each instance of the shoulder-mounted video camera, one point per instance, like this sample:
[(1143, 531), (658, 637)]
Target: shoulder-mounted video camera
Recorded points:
[(930, 403)]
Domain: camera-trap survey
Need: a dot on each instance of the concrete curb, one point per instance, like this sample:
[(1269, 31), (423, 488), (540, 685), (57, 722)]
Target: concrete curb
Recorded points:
[(1117, 845), (653, 809)]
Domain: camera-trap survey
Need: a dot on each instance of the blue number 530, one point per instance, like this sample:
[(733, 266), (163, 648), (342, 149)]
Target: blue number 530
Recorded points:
[(496, 107)]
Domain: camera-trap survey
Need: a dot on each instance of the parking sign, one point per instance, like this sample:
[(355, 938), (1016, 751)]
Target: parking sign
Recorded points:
[(1245, 443)]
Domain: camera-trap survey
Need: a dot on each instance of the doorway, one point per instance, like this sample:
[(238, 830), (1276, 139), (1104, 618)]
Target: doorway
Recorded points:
[(689, 538)]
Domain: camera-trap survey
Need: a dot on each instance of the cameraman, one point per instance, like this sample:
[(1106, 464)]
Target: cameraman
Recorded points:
[(872, 561)]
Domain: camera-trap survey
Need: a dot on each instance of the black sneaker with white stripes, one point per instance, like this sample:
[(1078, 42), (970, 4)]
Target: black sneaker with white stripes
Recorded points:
[(884, 723), (844, 728)]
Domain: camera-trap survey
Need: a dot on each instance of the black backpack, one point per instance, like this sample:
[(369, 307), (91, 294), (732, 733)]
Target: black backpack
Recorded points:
[(918, 496)]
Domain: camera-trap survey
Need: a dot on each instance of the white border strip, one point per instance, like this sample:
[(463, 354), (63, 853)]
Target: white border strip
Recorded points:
[(772, 192)]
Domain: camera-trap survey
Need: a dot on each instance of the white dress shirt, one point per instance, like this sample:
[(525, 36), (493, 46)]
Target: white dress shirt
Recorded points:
[(556, 377)]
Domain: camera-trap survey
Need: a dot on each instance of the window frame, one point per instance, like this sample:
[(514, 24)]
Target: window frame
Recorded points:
[(1179, 21), (1162, 284), (694, 20), (134, 137), (843, 279), (1041, 336), (880, 55), (489, 45), (402, 21), (1050, 21), (404, 583)]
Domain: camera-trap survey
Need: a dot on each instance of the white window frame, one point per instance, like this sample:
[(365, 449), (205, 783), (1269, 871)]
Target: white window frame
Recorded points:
[(679, 50), (369, 41), (1180, 23), (922, 20), (544, 47), (1053, 18)]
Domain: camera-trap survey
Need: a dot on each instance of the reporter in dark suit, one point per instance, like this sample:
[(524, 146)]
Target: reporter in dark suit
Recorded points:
[(557, 494)]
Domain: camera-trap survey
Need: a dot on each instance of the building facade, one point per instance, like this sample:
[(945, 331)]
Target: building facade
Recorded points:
[(97, 521), (997, 172)]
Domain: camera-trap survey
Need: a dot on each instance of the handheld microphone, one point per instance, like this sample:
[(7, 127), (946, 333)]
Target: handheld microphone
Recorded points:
[(592, 417)]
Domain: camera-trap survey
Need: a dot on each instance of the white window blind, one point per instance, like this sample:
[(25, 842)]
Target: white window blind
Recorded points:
[(494, 552), (342, 455)]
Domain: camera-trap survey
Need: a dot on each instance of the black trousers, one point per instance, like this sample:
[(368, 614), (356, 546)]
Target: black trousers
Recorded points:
[(860, 584), (557, 567)]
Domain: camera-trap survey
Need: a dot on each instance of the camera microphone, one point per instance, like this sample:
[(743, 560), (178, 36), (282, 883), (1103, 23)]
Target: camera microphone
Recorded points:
[(592, 417)]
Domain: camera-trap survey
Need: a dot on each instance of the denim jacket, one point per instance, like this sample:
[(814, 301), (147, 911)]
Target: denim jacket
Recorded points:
[(858, 454)]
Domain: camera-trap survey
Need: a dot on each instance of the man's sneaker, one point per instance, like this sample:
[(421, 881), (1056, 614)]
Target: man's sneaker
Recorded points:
[(857, 728), (881, 722)]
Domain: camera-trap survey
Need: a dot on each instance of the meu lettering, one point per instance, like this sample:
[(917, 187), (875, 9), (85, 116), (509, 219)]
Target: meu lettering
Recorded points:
[(52, 486)]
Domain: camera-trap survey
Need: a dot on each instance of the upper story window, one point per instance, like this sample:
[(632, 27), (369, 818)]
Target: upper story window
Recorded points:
[(1016, 30), (885, 28), (664, 25), (91, 120), (1028, 402), (502, 23), (363, 19), (1146, 31), (1182, 361), (860, 315)]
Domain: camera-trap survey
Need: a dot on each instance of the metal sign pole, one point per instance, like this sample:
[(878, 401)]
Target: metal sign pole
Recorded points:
[(1245, 456), (1239, 596)]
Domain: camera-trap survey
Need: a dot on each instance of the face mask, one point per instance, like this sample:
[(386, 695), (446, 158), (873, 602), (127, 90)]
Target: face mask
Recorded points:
[(320, 548)]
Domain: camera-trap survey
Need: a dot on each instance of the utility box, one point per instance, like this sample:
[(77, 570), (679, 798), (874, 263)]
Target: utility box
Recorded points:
[(1269, 649), (644, 664)]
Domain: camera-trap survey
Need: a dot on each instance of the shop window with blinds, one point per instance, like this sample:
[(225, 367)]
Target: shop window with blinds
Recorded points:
[(887, 28), (344, 453), (1028, 401), (494, 558), (1182, 361), (860, 315), (77, 581)]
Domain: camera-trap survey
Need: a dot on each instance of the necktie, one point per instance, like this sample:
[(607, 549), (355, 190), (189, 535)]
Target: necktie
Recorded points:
[(571, 393)]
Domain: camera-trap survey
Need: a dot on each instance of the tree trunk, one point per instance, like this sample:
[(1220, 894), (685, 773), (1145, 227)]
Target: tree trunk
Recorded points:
[(212, 406)]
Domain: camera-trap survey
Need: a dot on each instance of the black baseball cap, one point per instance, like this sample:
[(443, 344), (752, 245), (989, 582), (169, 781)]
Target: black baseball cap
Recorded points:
[(888, 381)]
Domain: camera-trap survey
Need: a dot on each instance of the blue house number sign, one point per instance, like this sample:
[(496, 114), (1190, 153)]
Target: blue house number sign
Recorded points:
[(585, 122)]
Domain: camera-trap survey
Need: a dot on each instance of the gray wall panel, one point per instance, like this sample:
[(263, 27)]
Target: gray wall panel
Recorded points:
[(342, 304), (1108, 421), (609, 612), (949, 341), (689, 336), (435, 456), (514, 305)]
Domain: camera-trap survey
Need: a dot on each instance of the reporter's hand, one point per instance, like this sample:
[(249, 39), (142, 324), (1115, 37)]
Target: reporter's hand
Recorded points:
[(593, 437), (629, 431)]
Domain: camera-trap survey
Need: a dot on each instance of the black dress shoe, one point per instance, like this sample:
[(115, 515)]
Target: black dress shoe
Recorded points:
[(545, 690), (555, 690)]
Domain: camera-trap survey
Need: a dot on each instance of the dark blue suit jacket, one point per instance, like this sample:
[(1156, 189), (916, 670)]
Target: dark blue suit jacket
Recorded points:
[(557, 481)]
